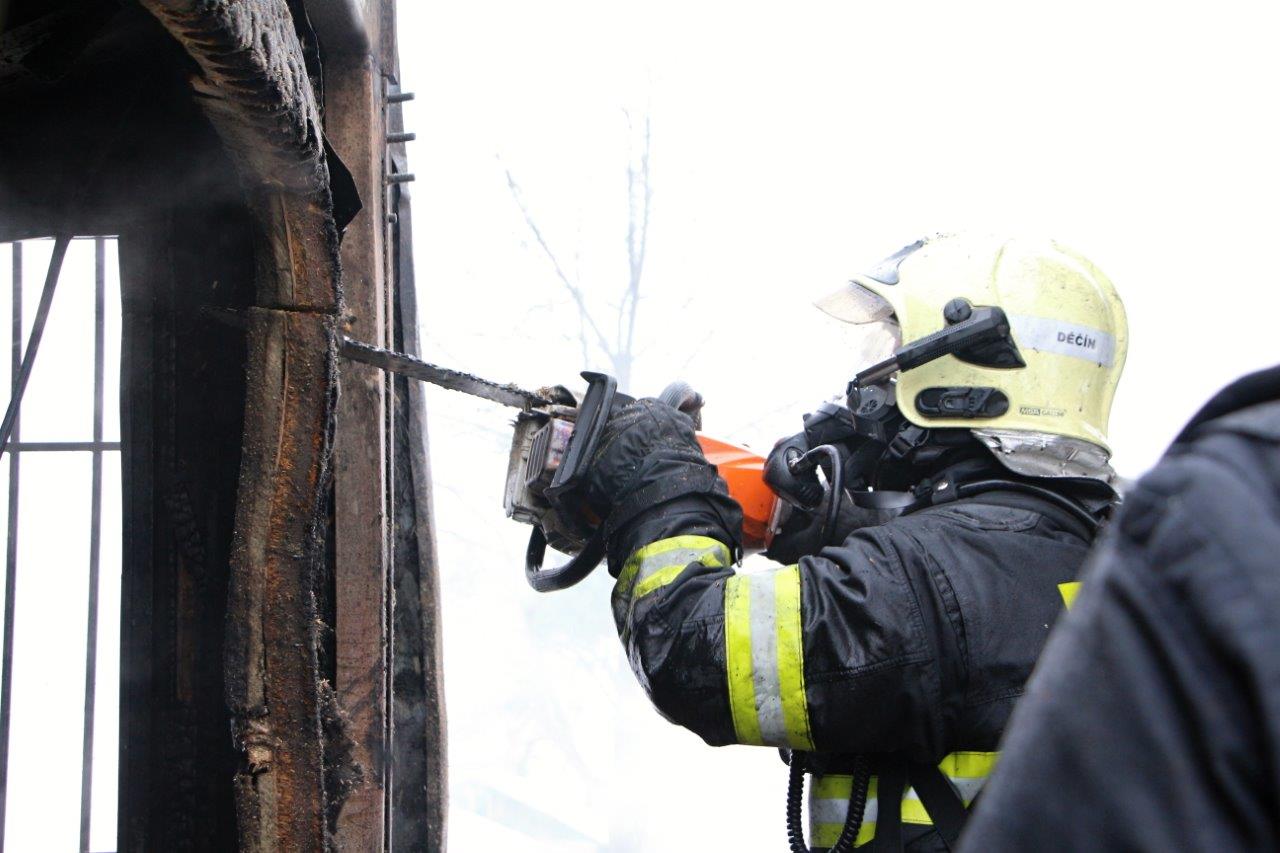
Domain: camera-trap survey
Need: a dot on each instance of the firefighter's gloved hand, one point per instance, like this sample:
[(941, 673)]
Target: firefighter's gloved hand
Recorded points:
[(802, 534), (801, 490), (632, 436), (649, 475)]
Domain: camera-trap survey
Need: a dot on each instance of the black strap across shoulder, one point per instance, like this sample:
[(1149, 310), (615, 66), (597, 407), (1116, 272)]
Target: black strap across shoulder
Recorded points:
[(891, 784), (941, 800), (938, 796)]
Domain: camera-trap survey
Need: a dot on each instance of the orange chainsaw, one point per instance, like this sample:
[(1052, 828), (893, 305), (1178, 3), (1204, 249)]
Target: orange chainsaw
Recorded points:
[(556, 434)]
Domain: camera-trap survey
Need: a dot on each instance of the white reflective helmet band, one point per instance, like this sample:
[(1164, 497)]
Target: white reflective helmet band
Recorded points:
[(1076, 340)]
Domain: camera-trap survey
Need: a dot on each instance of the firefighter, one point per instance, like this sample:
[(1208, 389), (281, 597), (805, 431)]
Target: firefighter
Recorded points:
[(974, 470), (1153, 722)]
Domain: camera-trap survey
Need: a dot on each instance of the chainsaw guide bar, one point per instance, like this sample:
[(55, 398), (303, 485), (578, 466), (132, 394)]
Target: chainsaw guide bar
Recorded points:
[(507, 395)]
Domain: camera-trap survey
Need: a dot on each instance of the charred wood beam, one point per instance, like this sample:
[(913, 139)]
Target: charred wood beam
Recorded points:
[(273, 680), (362, 471), (254, 86)]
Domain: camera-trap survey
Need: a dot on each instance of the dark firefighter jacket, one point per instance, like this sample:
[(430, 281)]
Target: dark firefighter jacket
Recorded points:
[(913, 637), (1154, 721)]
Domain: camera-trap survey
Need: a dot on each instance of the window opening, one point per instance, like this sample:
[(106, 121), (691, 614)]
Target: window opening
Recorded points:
[(59, 671)]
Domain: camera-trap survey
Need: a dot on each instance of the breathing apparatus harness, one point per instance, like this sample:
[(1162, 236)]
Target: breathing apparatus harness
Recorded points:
[(872, 455)]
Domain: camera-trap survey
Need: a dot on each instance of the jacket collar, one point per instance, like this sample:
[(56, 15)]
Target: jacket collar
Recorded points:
[(1251, 390)]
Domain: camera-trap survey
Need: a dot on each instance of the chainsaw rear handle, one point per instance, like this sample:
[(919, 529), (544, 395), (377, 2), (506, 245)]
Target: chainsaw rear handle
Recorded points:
[(561, 577), (565, 491), (741, 469)]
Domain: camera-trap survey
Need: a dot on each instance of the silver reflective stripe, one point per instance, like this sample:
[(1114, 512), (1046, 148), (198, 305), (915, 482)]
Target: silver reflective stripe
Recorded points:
[(835, 811), (1063, 338), (967, 788), (829, 796), (656, 565), (764, 659), (681, 557)]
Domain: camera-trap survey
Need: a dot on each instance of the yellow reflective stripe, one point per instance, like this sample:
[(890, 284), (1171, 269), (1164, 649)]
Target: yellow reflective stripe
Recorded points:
[(737, 637), (657, 565), (968, 764), (829, 806), (1069, 592), (832, 787), (660, 578), (764, 657), (659, 556), (913, 811), (795, 709), (839, 788), (829, 797), (824, 834), (675, 543)]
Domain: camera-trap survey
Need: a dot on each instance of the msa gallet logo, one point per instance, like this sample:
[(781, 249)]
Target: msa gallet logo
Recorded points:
[(1041, 411), (1077, 339)]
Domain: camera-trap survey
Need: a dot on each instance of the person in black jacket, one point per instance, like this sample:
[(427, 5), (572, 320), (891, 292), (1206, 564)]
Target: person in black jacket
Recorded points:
[(1153, 722), (897, 651)]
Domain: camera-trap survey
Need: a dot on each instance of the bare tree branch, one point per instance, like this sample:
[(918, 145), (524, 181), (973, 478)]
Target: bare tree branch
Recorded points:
[(574, 291), (620, 351), (639, 197)]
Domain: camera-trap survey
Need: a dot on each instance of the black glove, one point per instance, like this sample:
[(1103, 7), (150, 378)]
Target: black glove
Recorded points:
[(802, 534), (802, 490), (648, 463)]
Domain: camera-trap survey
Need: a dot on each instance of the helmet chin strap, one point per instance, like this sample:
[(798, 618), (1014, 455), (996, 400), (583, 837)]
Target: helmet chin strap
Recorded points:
[(871, 415)]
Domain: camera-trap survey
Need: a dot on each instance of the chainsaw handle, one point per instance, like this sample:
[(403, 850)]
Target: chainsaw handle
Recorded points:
[(561, 577), (593, 416), (680, 395), (567, 486)]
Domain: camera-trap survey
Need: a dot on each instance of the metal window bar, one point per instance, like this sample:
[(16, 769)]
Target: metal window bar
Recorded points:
[(11, 551), (21, 364), (95, 542)]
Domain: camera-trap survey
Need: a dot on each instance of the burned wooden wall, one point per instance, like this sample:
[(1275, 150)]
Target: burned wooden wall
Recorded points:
[(261, 598), (181, 451), (109, 141), (386, 647)]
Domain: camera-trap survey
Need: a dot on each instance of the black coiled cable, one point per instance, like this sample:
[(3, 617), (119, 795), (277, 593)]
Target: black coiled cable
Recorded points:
[(835, 483), (852, 819)]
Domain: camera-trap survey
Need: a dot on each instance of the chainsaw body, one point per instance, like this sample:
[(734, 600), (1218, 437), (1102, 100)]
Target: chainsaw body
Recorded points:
[(538, 446), (551, 449)]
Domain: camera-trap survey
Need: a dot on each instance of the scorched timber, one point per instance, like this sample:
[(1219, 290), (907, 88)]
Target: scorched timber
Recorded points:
[(254, 87)]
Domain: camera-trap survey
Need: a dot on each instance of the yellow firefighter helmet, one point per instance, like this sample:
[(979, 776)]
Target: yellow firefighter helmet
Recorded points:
[(1020, 340)]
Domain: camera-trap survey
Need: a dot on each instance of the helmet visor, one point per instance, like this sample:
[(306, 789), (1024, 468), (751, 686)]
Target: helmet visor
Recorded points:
[(854, 303), (862, 329)]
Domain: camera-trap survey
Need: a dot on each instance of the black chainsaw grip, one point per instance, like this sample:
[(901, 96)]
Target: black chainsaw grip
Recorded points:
[(680, 395), (561, 577)]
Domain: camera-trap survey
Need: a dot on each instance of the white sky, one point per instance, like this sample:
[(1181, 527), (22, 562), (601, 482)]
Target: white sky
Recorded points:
[(43, 804), (793, 144)]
